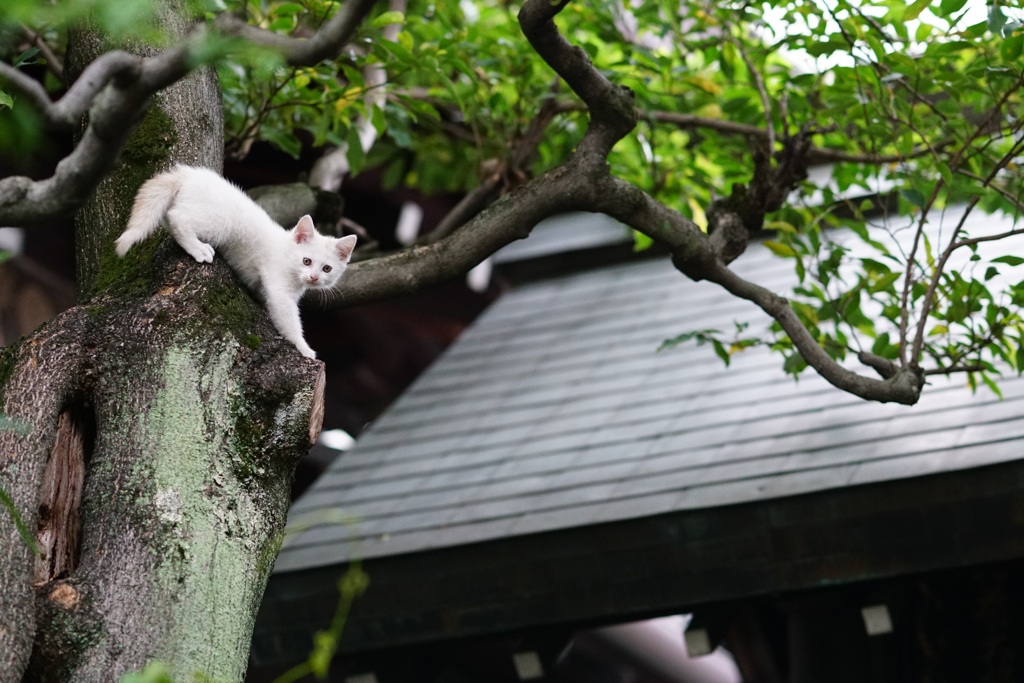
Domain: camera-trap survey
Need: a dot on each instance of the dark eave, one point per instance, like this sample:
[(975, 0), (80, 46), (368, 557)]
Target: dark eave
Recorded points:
[(658, 565)]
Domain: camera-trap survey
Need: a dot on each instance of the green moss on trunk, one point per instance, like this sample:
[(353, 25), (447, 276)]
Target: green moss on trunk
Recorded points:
[(150, 143)]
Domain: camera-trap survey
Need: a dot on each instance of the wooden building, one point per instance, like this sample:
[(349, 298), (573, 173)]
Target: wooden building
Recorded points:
[(554, 473)]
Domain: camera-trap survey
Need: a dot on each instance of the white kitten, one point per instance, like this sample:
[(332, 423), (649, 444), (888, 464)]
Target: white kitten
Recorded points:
[(205, 212)]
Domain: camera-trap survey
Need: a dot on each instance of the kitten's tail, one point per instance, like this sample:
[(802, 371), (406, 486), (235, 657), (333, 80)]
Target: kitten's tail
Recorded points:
[(155, 196)]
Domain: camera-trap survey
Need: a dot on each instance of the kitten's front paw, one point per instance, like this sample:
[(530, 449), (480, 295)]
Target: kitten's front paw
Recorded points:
[(306, 351), (202, 252)]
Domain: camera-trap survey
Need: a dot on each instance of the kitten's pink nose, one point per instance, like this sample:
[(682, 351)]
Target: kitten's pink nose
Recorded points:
[(314, 278)]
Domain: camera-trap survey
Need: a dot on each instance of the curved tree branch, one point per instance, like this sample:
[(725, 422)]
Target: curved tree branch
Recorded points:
[(585, 183), (698, 258), (612, 110), (115, 90), (581, 183), (566, 188), (326, 43), (815, 155), (67, 112), (902, 386)]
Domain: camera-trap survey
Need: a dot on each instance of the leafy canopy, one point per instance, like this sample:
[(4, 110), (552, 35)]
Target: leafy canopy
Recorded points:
[(913, 109)]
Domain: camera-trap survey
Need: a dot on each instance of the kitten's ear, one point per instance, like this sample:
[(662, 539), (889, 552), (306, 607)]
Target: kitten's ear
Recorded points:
[(304, 230), (345, 246)]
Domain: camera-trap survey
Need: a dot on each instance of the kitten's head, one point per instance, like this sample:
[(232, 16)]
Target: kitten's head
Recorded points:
[(319, 260)]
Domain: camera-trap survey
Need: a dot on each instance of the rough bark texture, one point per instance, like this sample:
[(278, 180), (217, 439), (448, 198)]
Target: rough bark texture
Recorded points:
[(197, 432), (188, 413), (184, 123)]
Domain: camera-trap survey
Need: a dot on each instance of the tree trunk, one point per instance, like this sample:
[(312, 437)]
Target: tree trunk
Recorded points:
[(162, 420)]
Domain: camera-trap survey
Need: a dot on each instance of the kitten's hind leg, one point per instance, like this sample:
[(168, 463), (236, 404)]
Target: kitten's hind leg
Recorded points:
[(186, 237)]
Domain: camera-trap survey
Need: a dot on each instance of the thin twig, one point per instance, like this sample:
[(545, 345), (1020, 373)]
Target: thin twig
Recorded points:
[(53, 62), (755, 76), (989, 238), (929, 296), (954, 244), (1015, 200), (908, 278), (490, 189), (956, 368), (326, 43)]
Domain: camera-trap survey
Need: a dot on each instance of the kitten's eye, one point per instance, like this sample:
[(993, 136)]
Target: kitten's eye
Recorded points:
[(327, 269), (307, 261)]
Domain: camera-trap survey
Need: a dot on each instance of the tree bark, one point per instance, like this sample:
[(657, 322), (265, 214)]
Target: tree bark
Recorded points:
[(184, 123), (163, 418)]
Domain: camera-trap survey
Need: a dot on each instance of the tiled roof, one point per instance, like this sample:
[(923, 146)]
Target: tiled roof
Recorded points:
[(555, 410)]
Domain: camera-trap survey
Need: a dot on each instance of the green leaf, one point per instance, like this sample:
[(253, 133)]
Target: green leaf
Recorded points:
[(914, 197), (996, 18), (398, 51), (6, 100), (882, 347), (883, 282), (727, 60), (876, 47), (1009, 259), (781, 226), (1012, 47), (699, 335), (947, 7), (826, 47), (27, 57), (388, 18), (283, 24), (721, 351), (975, 30), (929, 255), (915, 9), (991, 384), (354, 153), (283, 140), (795, 364), (641, 242), (780, 249), (289, 9)]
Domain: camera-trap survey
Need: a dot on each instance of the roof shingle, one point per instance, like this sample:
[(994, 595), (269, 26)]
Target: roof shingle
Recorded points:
[(556, 410)]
